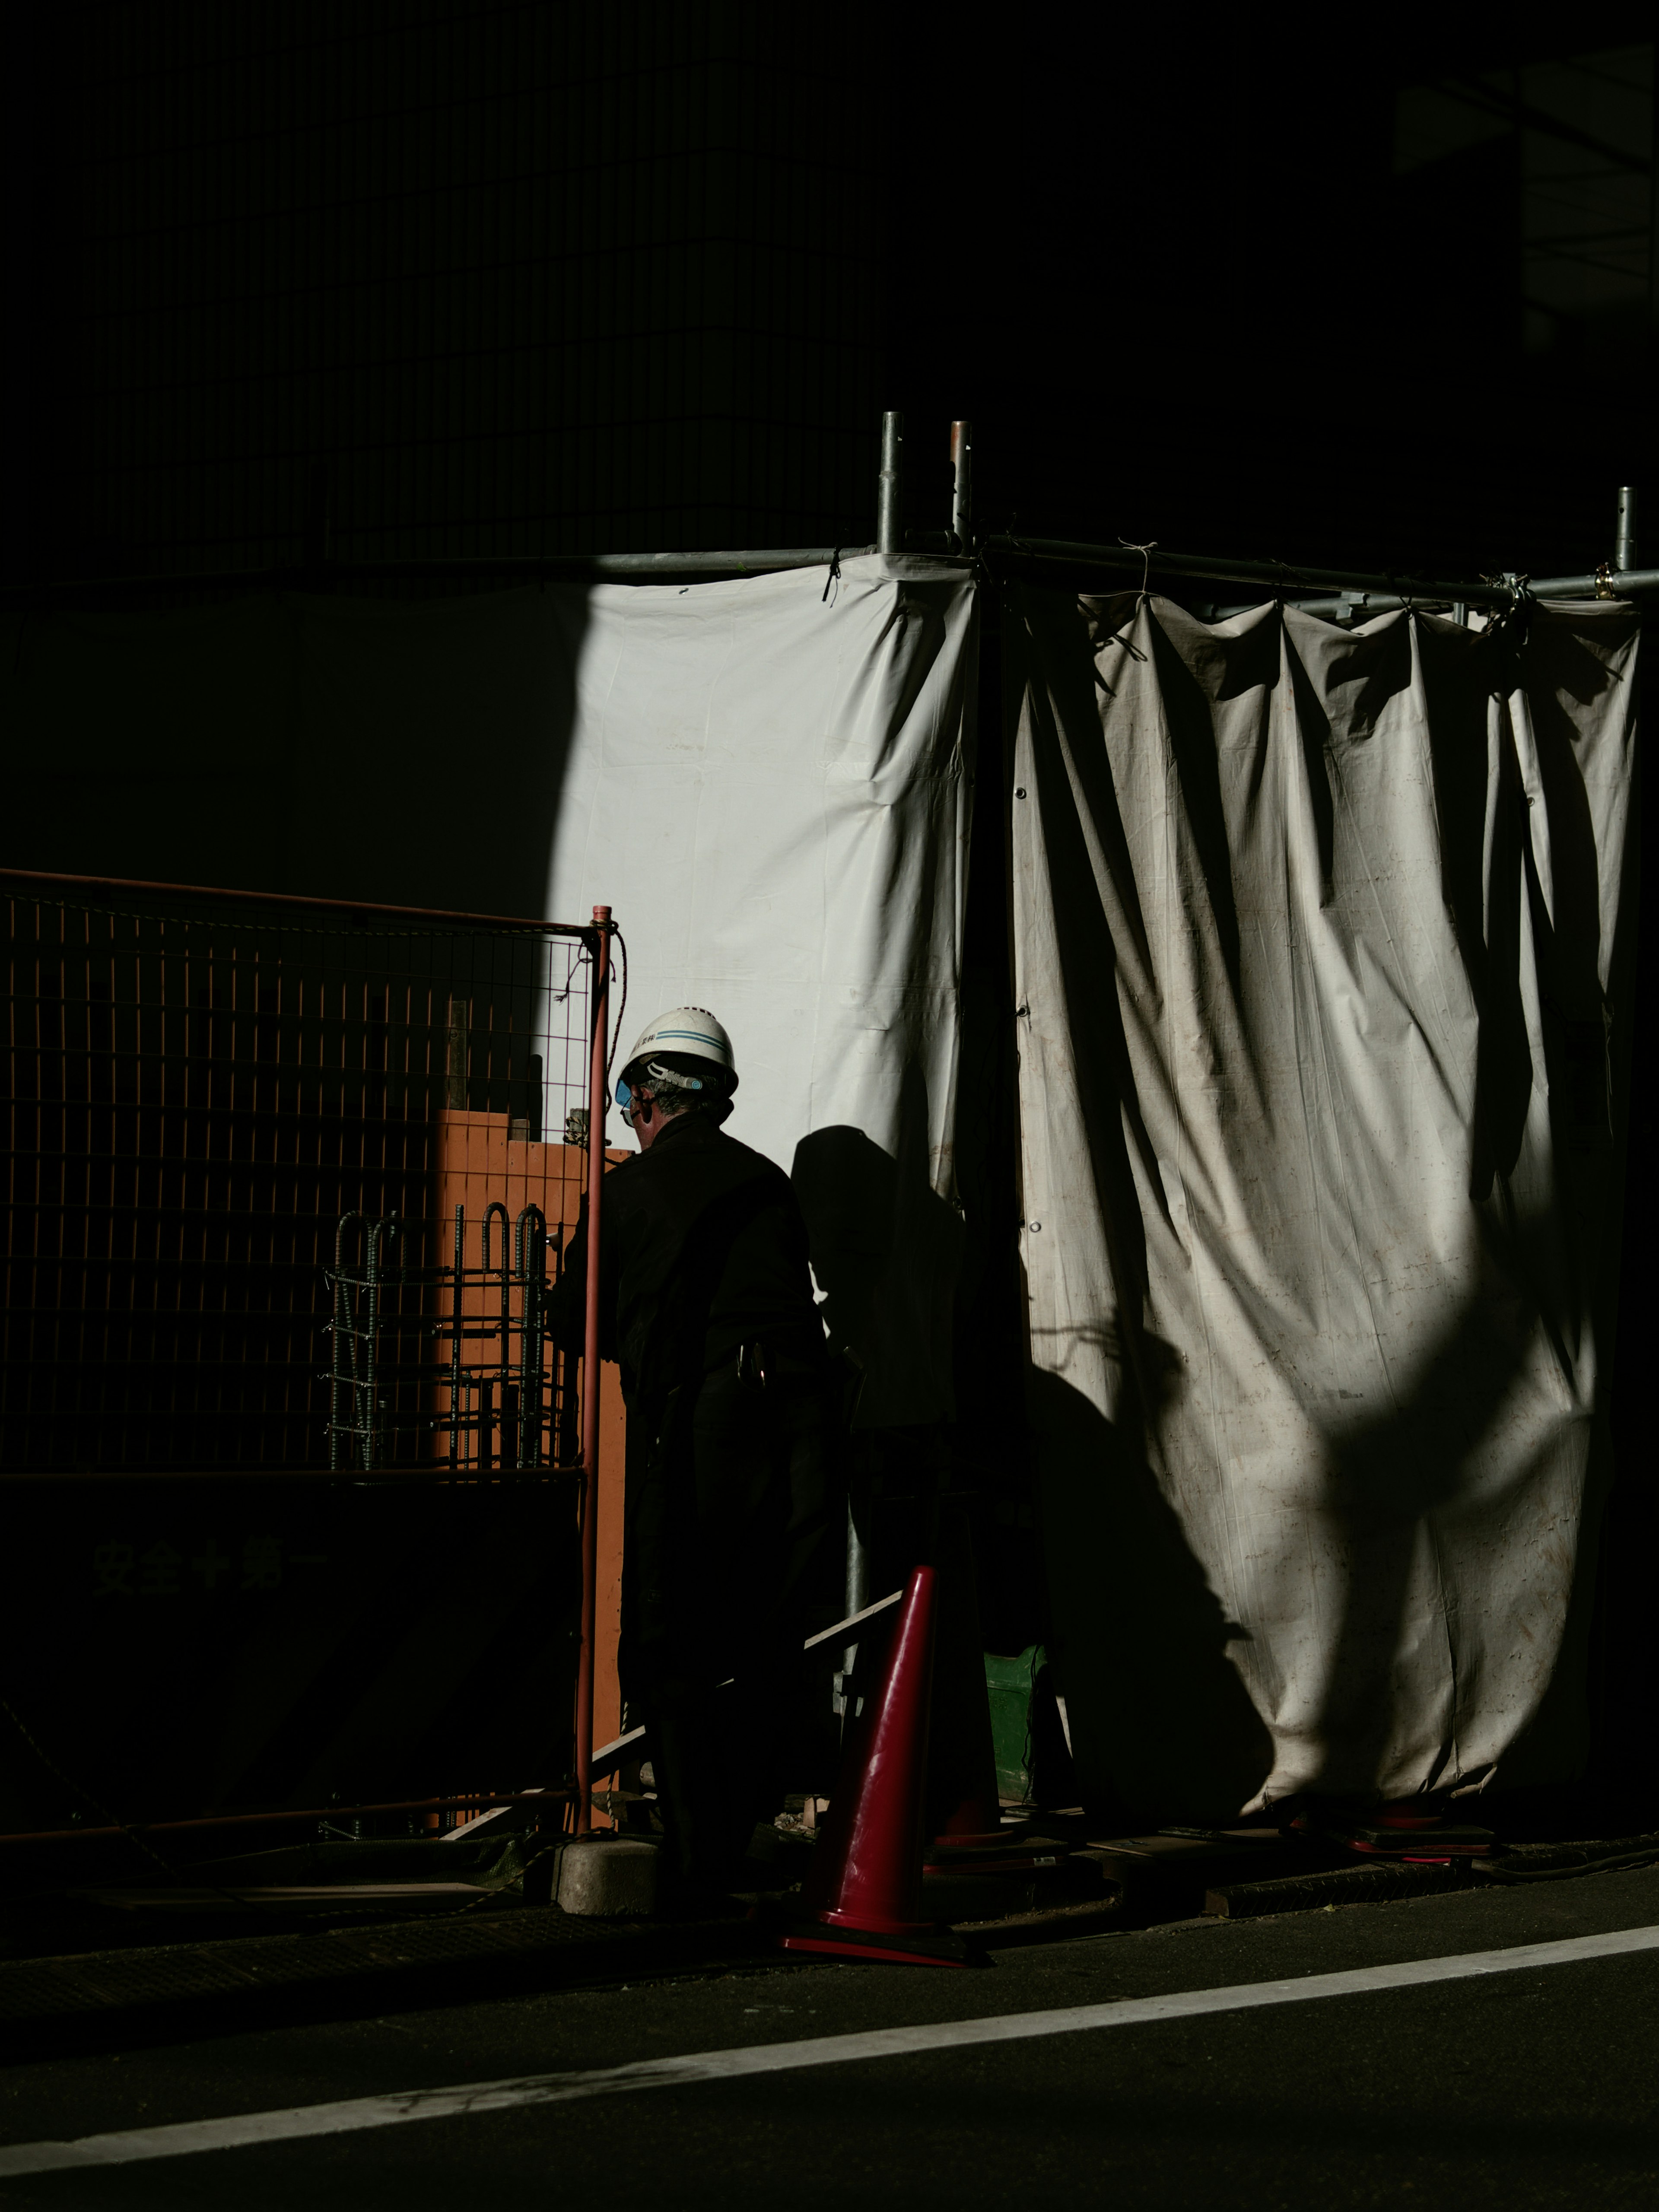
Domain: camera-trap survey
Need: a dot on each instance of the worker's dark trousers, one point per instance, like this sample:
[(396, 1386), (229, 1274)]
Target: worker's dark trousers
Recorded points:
[(730, 1491)]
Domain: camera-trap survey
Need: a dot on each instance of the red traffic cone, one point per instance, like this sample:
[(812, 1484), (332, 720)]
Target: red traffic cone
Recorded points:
[(867, 1883)]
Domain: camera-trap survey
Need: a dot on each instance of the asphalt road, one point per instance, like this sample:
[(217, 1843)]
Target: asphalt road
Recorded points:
[(1523, 2088)]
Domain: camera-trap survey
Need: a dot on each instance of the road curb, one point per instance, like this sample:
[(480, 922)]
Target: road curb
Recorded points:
[(1352, 1885), (232, 1984)]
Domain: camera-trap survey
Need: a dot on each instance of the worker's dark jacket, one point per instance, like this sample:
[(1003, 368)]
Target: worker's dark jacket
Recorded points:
[(705, 1303), (703, 1249)]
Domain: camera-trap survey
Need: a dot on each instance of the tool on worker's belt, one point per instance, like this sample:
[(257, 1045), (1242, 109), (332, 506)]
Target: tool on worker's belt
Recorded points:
[(864, 1892)]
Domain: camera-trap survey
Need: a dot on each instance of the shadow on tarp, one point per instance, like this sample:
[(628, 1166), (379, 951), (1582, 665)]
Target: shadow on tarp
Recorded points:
[(1158, 1713), (886, 1250), (1394, 1482), (1393, 1477), (1162, 1727), (887, 1253)]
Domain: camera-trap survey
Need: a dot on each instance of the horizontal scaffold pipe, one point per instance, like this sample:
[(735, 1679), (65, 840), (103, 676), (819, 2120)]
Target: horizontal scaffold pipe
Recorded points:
[(475, 1803), (767, 562), (572, 566), (1376, 594), (1373, 593), (1283, 575), (1620, 584), (441, 915)]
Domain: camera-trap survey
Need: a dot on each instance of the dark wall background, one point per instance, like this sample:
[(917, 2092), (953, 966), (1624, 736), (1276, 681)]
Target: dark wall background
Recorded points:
[(450, 281), (1322, 290), (472, 280)]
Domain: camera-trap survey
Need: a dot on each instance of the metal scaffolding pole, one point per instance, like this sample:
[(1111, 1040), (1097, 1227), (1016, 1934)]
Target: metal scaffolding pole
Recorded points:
[(890, 519), (1342, 593), (598, 1085), (962, 492), (1624, 549), (512, 567)]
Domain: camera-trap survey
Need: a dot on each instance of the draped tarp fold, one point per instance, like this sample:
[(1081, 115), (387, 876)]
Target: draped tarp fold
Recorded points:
[(1320, 936)]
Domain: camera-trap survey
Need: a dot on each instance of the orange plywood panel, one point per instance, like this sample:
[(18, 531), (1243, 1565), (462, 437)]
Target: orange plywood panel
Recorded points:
[(480, 1164)]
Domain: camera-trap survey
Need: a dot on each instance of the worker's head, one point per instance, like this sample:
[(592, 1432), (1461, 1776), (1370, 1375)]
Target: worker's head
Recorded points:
[(680, 1064)]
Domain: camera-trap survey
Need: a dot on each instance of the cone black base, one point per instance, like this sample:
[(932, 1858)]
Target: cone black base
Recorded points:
[(991, 1857), (919, 1946)]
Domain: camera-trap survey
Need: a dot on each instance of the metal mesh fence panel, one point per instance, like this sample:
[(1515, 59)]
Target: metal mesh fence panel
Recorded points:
[(198, 1095)]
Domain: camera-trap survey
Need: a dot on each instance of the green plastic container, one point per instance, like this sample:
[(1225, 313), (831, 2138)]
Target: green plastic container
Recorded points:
[(1008, 1684)]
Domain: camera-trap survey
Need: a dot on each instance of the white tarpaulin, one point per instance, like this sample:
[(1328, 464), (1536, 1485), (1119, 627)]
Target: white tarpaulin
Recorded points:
[(1317, 936), (767, 782), (770, 789)]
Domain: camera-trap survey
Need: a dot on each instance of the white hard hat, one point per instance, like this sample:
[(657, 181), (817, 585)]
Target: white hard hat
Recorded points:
[(688, 1030)]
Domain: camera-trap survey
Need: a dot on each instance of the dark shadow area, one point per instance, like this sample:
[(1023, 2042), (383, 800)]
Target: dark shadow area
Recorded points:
[(1601, 1066), (885, 1249), (1162, 1727), (278, 1643), (887, 1252), (469, 400), (367, 749), (1461, 672), (1062, 701), (1411, 487), (991, 1436), (207, 1090)]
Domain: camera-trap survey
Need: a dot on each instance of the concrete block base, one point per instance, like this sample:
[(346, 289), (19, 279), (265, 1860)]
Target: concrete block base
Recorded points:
[(605, 1875)]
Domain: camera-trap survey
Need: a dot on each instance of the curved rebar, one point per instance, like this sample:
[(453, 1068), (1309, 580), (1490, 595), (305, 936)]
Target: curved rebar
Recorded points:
[(341, 1330), (458, 1320), (529, 1267)]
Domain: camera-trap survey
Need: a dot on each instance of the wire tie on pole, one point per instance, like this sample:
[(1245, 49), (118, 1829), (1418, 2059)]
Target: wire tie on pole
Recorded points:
[(1146, 553), (834, 577), (622, 1011)]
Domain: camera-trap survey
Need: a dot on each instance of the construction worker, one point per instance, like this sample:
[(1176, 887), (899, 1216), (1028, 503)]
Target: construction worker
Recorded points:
[(706, 1302)]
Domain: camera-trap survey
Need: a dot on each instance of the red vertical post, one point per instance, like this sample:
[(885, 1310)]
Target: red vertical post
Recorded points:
[(598, 1085)]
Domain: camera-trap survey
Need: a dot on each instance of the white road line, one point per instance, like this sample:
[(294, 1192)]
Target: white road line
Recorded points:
[(246, 2129)]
